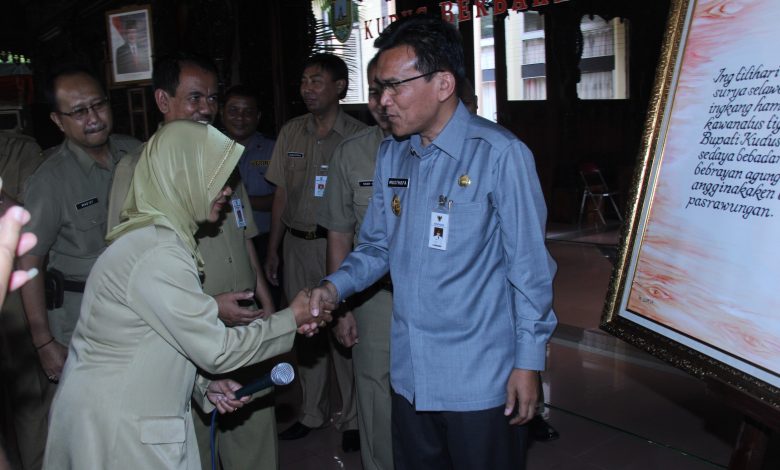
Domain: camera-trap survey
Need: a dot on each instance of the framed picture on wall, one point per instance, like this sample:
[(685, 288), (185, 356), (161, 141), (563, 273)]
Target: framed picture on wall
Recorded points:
[(130, 44), (698, 274)]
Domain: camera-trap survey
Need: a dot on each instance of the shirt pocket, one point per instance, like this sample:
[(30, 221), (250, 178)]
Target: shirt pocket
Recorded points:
[(91, 217), (164, 441), (468, 222), (362, 196), (162, 430)]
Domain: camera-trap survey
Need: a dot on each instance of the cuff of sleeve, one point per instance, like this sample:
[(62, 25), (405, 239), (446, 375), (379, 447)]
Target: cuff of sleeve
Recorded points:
[(531, 356), (199, 393), (343, 284)]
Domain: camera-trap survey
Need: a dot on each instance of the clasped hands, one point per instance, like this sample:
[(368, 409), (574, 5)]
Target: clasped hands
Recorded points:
[(311, 307)]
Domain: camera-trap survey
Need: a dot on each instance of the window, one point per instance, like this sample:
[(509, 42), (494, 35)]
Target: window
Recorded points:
[(525, 62), (484, 64), (603, 67), (358, 49)]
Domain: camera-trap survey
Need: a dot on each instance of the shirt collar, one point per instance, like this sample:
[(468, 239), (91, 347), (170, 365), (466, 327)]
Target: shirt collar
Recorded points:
[(339, 126), (85, 162), (450, 140)]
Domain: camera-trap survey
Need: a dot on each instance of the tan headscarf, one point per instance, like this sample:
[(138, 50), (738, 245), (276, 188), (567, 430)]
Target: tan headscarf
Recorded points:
[(182, 169)]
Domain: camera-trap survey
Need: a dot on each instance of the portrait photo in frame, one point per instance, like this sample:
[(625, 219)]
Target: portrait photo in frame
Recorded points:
[(696, 281), (130, 44)]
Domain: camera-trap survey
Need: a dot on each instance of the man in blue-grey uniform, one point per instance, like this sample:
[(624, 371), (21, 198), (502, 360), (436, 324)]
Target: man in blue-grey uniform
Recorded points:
[(240, 115), (457, 217)]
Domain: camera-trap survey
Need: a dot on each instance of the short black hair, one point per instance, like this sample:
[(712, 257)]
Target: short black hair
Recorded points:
[(65, 70), (372, 63), (332, 64), (167, 70), (240, 90), (436, 43)]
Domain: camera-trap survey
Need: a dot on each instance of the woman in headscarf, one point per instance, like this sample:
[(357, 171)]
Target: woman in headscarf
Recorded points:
[(146, 326)]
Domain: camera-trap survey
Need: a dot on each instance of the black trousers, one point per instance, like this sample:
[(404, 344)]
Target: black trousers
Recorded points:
[(442, 440)]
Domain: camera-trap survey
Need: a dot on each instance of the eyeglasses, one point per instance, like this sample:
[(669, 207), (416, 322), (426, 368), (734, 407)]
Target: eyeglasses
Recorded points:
[(392, 87), (82, 112)]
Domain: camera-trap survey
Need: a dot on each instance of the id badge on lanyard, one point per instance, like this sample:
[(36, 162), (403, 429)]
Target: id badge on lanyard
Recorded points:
[(439, 230), (238, 212)]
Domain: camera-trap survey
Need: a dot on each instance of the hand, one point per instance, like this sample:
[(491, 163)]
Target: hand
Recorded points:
[(233, 314), (307, 323), (52, 357), (271, 268), (345, 330), (221, 394), (323, 299), (13, 243), (263, 298), (523, 388)]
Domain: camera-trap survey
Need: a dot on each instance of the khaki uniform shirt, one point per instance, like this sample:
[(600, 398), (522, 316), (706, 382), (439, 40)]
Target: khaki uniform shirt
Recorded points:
[(223, 248), (67, 197), (351, 182), (146, 326), (20, 156), (297, 160)]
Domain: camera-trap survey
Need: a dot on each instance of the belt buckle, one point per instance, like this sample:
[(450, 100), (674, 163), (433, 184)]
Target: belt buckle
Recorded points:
[(310, 236)]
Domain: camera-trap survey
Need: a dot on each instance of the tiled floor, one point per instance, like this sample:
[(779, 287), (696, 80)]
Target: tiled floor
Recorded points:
[(615, 407)]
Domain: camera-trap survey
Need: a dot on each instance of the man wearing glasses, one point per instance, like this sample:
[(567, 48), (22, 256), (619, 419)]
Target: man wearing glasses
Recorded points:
[(67, 197), (457, 217)]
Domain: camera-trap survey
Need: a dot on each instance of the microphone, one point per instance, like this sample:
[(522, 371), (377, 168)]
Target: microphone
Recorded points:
[(281, 374)]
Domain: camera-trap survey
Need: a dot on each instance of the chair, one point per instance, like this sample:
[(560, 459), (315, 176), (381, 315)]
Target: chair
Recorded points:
[(596, 190)]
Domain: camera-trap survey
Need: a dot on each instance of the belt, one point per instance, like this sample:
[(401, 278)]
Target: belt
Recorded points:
[(320, 232), (386, 283), (73, 286)]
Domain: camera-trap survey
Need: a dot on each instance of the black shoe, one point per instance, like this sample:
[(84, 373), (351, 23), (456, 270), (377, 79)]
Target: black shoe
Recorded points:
[(350, 441), (296, 431), (541, 430)]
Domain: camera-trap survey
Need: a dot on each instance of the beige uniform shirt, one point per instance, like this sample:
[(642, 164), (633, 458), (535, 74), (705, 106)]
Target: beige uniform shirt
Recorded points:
[(20, 156), (223, 248), (298, 161), (351, 182), (67, 197), (146, 326)]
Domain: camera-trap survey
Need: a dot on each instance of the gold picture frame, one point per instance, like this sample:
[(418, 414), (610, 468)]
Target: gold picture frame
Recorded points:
[(687, 232), (130, 45)]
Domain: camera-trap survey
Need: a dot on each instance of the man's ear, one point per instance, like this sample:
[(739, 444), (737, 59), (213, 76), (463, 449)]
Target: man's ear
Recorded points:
[(341, 84), (447, 85), (163, 100), (56, 120)]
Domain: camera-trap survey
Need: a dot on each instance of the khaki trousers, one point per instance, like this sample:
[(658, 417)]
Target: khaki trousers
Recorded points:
[(245, 438), (26, 384), (304, 266), (371, 361)]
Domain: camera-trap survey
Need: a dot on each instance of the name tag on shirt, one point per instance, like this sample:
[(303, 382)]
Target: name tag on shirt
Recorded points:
[(87, 203), (259, 163), (439, 230), (295, 154), (238, 212), (366, 183), (398, 182)]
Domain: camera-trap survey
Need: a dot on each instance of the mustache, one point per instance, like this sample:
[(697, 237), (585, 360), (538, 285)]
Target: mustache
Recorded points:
[(95, 128)]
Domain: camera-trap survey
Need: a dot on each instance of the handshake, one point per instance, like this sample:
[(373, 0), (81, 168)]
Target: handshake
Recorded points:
[(313, 307)]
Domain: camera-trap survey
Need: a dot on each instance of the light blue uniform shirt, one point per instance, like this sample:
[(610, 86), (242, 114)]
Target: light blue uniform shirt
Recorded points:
[(252, 167), (465, 317)]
